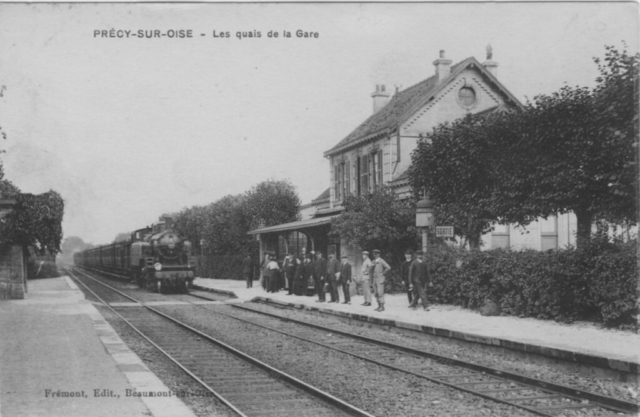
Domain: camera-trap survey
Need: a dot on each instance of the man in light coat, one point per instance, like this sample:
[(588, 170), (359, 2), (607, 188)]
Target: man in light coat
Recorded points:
[(379, 269), (364, 281)]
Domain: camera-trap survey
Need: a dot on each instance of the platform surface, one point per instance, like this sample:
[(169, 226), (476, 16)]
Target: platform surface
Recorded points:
[(579, 337), (56, 350)]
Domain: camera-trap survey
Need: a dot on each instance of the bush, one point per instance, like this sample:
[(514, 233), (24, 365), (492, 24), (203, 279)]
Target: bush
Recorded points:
[(42, 269), (221, 267), (598, 280)]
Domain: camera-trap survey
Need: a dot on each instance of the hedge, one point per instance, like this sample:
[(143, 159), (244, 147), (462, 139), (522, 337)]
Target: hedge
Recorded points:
[(221, 266), (597, 281)]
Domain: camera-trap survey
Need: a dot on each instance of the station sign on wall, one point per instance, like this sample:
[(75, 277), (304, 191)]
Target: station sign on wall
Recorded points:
[(444, 231)]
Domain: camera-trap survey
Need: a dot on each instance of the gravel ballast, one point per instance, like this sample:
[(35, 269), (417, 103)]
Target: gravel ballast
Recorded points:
[(622, 390), (192, 393), (378, 390)]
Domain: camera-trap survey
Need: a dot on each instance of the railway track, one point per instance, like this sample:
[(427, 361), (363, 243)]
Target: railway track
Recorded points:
[(246, 385), (536, 396)]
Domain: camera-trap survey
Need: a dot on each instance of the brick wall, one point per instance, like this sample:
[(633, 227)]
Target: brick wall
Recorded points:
[(11, 273)]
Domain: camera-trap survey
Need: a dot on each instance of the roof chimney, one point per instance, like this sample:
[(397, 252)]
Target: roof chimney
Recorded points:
[(380, 98), (490, 64), (443, 66)]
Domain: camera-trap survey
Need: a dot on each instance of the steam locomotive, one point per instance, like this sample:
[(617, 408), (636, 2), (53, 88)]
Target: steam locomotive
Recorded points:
[(155, 257)]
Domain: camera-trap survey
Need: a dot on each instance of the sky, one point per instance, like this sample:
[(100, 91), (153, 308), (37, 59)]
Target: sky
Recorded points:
[(129, 128)]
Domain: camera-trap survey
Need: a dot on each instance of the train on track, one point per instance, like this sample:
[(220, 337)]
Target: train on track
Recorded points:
[(156, 258)]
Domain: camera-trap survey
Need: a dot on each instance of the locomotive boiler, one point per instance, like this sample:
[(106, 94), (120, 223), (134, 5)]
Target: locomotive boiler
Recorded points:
[(156, 258)]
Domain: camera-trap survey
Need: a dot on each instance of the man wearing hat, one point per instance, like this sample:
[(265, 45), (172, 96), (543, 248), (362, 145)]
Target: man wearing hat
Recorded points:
[(333, 267), (319, 274), (419, 279), (404, 271), (364, 282), (289, 267), (345, 279), (304, 275), (379, 269)]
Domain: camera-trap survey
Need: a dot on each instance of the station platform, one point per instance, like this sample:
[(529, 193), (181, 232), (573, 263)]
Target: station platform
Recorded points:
[(582, 343), (59, 357)]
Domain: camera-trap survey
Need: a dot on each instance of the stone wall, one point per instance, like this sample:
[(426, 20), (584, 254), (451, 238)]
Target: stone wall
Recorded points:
[(11, 273)]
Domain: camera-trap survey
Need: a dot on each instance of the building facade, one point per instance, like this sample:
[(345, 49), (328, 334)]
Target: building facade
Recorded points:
[(378, 152)]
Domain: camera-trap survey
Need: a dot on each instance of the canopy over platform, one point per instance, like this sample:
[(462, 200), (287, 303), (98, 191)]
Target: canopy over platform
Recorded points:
[(301, 224)]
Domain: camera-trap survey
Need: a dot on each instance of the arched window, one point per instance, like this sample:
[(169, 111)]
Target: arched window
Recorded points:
[(297, 241)]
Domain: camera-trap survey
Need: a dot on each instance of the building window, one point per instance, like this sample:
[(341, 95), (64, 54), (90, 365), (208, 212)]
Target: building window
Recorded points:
[(376, 170), (347, 178), (297, 241), (549, 233), (337, 176), (500, 236), (363, 168), (379, 170)]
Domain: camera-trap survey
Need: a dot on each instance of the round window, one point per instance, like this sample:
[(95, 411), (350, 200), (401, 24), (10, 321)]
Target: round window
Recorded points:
[(467, 96)]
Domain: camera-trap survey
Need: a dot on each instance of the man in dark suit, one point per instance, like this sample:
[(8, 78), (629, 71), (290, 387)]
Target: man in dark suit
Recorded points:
[(247, 270), (345, 279), (319, 275), (419, 279), (333, 267), (404, 270), (289, 267)]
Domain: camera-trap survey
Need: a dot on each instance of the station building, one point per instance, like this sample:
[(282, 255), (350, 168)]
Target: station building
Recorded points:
[(378, 152)]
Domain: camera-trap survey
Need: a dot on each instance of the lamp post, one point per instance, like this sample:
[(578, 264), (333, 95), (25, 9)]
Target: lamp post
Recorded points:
[(425, 218)]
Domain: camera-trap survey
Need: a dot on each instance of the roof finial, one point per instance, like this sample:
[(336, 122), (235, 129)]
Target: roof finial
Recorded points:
[(489, 52), (442, 53)]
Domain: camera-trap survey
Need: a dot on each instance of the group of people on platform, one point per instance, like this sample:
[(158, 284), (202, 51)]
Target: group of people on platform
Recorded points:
[(330, 275)]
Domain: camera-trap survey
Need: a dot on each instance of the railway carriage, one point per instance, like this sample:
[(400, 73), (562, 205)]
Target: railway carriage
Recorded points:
[(156, 258)]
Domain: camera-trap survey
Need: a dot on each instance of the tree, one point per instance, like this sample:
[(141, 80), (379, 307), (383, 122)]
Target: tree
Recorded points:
[(7, 189), (36, 220), (272, 202), (379, 220), (71, 245), (577, 152), (226, 226), (452, 163), (570, 151), (190, 223)]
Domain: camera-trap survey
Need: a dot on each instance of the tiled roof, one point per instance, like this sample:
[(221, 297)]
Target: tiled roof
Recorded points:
[(405, 103), (403, 176), (324, 196)]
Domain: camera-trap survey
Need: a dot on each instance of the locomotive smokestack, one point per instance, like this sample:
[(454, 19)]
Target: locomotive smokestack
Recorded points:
[(168, 222)]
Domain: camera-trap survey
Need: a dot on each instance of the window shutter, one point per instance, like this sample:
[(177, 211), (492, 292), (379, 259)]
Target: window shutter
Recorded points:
[(347, 178), (336, 188), (379, 173)]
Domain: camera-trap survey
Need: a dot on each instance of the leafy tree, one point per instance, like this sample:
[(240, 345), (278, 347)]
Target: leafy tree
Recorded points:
[(570, 151), (379, 220), (227, 225), (36, 220), (452, 162), (577, 152), (7, 189), (71, 245), (272, 202), (190, 223)]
